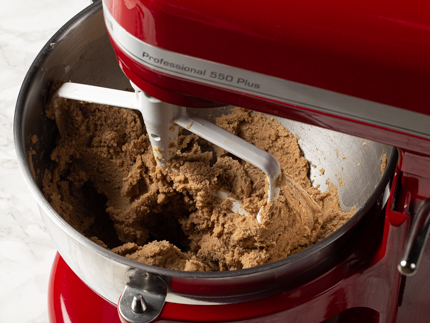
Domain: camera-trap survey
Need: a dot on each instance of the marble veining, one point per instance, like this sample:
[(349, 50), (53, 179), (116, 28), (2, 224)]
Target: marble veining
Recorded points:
[(26, 249)]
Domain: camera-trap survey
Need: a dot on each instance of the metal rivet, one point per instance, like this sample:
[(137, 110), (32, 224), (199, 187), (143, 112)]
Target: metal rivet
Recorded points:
[(138, 304)]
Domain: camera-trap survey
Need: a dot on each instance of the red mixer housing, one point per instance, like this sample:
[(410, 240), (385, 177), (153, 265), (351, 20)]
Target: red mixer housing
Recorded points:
[(360, 68)]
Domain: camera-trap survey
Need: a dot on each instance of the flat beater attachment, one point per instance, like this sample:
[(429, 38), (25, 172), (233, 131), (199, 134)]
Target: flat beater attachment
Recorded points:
[(161, 120)]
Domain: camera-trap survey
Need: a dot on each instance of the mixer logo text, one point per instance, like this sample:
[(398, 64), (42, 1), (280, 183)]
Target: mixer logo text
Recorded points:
[(176, 66), (200, 72)]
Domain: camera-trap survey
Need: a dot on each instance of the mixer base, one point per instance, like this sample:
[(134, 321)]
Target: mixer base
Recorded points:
[(71, 301)]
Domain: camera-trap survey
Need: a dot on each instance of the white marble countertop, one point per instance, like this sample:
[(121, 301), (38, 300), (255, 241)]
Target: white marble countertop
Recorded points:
[(26, 249)]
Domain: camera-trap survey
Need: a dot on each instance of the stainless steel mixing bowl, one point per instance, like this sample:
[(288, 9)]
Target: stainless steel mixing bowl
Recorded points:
[(81, 52)]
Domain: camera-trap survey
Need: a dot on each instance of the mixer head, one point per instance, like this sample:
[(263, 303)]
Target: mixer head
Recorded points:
[(360, 70)]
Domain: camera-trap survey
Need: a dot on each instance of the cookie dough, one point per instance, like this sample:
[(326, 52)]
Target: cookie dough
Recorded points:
[(105, 183)]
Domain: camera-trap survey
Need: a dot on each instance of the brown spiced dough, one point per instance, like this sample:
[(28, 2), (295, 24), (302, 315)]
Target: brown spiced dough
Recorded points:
[(105, 183)]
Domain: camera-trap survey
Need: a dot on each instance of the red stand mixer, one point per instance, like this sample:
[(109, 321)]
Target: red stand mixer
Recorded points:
[(358, 68)]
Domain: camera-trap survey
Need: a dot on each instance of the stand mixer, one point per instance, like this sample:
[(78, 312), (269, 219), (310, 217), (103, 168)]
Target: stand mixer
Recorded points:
[(360, 70)]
